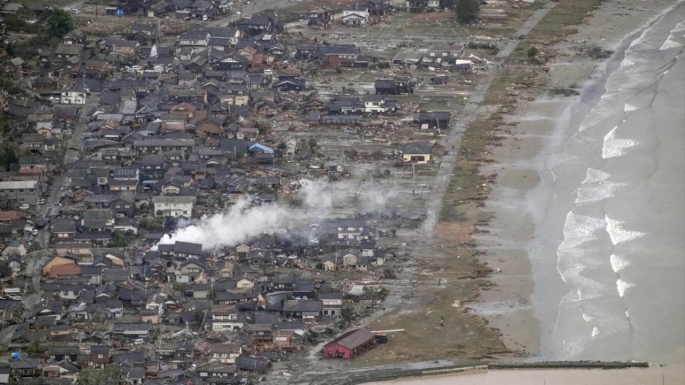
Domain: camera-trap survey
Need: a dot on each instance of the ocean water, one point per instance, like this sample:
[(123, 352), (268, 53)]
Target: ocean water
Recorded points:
[(609, 257)]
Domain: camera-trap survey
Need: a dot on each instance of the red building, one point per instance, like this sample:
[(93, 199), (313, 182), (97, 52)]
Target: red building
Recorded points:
[(350, 344)]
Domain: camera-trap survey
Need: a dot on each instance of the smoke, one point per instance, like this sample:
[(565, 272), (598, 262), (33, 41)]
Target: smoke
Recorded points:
[(230, 227), (243, 222)]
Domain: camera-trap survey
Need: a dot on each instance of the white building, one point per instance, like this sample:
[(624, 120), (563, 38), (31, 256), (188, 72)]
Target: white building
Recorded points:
[(173, 206), (73, 97)]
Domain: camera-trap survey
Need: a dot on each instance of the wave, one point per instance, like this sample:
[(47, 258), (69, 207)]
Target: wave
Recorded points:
[(618, 263), (594, 175), (629, 107), (622, 286), (670, 44), (595, 332), (680, 27), (617, 233), (614, 147), (579, 229), (597, 192)]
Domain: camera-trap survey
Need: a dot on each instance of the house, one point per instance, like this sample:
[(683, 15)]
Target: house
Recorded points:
[(188, 271), (330, 303), (194, 41), (63, 230), (417, 152), (256, 24), (305, 309), (131, 329), (57, 260), (173, 206), (350, 344), (225, 318), (349, 260), (224, 353), (433, 120), (328, 265), (358, 14), (290, 84), (100, 356), (319, 16), (393, 87), (20, 192), (252, 364)]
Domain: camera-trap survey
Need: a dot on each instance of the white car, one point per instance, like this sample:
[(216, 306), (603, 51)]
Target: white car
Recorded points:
[(34, 232), (25, 206)]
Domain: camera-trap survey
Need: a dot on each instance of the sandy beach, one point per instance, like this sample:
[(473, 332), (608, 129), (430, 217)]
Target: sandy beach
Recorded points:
[(515, 199)]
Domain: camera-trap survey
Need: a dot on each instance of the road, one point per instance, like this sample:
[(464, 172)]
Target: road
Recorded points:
[(472, 111), (73, 146)]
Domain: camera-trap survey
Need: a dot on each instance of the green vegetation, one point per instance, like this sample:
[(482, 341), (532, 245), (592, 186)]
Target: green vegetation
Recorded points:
[(9, 85), (152, 224), (109, 375), (120, 239), (60, 24), (467, 11), (8, 155), (533, 52)]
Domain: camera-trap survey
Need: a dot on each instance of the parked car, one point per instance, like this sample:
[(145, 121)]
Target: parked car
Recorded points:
[(25, 206)]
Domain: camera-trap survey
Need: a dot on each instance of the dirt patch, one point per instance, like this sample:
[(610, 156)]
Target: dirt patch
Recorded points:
[(433, 17), (453, 232)]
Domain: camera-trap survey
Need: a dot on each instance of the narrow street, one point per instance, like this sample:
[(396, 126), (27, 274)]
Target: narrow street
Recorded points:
[(71, 154)]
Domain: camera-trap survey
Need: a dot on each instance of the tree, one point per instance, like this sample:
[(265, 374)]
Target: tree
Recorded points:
[(533, 52), (346, 315), (109, 375), (312, 143), (119, 239), (467, 11), (60, 24), (8, 155)]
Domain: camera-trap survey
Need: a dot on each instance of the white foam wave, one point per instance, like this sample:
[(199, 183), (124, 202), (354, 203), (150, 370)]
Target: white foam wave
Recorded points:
[(617, 233), (629, 107), (594, 175), (586, 288), (627, 314), (670, 44), (680, 27), (618, 263), (597, 192), (579, 229), (614, 147), (622, 286), (595, 332), (559, 159), (587, 318)]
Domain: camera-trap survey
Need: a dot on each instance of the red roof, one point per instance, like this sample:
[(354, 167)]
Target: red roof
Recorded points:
[(66, 269), (353, 339), (10, 215)]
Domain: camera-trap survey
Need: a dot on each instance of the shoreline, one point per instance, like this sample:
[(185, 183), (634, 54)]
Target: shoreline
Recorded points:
[(522, 193)]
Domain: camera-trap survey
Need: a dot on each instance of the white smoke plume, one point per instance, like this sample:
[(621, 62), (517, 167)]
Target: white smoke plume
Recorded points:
[(242, 222)]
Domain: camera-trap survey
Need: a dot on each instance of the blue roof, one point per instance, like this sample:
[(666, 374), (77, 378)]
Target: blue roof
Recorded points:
[(262, 147)]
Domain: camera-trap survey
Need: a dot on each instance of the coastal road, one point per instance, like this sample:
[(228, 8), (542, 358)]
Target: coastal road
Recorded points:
[(472, 111)]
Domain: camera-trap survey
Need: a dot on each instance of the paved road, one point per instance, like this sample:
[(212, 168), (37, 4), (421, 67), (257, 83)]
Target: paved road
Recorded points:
[(472, 111), (73, 146)]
